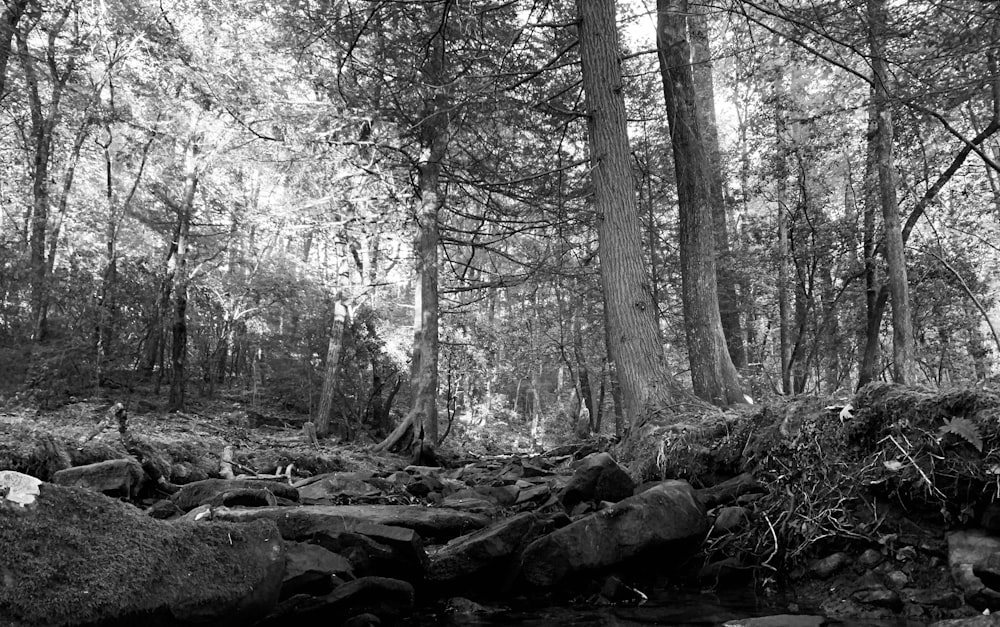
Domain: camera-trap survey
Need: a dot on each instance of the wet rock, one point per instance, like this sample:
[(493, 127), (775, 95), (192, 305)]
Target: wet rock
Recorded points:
[(485, 553), (432, 523), (75, 557), (615, 590), (597, 478), (467, 607), (947, 599), (388, 600), (667, 515), (829, 565), (778, 620), (210, 491), (967, 551), (309, 568), (122, 476), (879, 597)]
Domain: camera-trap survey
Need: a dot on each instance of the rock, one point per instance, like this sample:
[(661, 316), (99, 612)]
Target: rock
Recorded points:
[(968, 550), (897, 578), (467, 607), (124, 476), (75, 557), (990, 518), (386, 599), (665, 516), (309, 567), (988, 571), (778, 620), (432, 523), (362, 620), (327, 487), (504, 496), (989, 620), (829, 565), (597, 478), (209, 491), (373, 549), (536, 493), (879, 597), (729, 490), (615, 590), (474, 504), (486, 552), (729, 519), (947, 599), (870, 558), (19, 488)]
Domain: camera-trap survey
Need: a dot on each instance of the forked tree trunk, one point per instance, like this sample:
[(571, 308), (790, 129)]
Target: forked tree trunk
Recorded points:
[(713, 374), (633, 333)]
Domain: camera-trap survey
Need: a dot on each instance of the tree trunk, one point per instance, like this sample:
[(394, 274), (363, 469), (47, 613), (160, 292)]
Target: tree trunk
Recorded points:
[(704, 89), (10, 15), (333, 350), (178, 346), (433, 131), (903, 353), (634, 335), (713, 374)]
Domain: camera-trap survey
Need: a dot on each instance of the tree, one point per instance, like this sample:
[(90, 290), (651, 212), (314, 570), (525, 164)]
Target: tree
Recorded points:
[(903, 364), (633, 333), (713, 374), (704, 89)]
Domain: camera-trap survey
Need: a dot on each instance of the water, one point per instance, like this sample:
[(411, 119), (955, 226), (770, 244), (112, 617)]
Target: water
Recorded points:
[(679, 610)]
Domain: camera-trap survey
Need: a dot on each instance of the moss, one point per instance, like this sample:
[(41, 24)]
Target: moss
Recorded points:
[(77, 557)]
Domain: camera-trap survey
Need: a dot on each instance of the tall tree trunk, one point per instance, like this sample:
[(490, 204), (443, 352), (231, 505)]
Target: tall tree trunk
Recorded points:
[(185, 213), (868, 369), (633, 332), (433, 134), (903, 353), (704, 90), (10, 15), (783, 221), (334, 347), (713, 374)]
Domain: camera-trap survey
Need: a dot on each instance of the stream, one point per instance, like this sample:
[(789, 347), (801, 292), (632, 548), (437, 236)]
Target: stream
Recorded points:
[(682, 609)]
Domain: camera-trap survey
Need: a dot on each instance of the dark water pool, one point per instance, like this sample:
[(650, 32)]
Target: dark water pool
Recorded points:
[(683, 610)]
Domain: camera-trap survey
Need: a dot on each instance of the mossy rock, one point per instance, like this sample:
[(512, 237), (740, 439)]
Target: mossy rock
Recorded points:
[(76, 557)]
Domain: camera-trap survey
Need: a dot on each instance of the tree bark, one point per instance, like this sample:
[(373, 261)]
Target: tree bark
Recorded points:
[(713, 374), (185, 213), (433, 131), (704, 89), (10, 15), (633, 332), (904, 358), (334, 347)]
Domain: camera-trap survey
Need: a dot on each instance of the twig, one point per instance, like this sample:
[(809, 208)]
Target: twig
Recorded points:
[(930, 484)]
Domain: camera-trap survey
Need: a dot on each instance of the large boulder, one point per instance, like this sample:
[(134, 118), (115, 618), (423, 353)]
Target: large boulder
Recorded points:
[(598, 477), (484, 553), (665, 516), (373, 549), (76, 557), (970, 552)]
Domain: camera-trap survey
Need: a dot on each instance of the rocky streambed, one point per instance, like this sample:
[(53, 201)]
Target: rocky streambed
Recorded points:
[(851, 536)]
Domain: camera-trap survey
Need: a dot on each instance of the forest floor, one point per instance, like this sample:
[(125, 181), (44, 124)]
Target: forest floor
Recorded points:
[(857, 495)]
